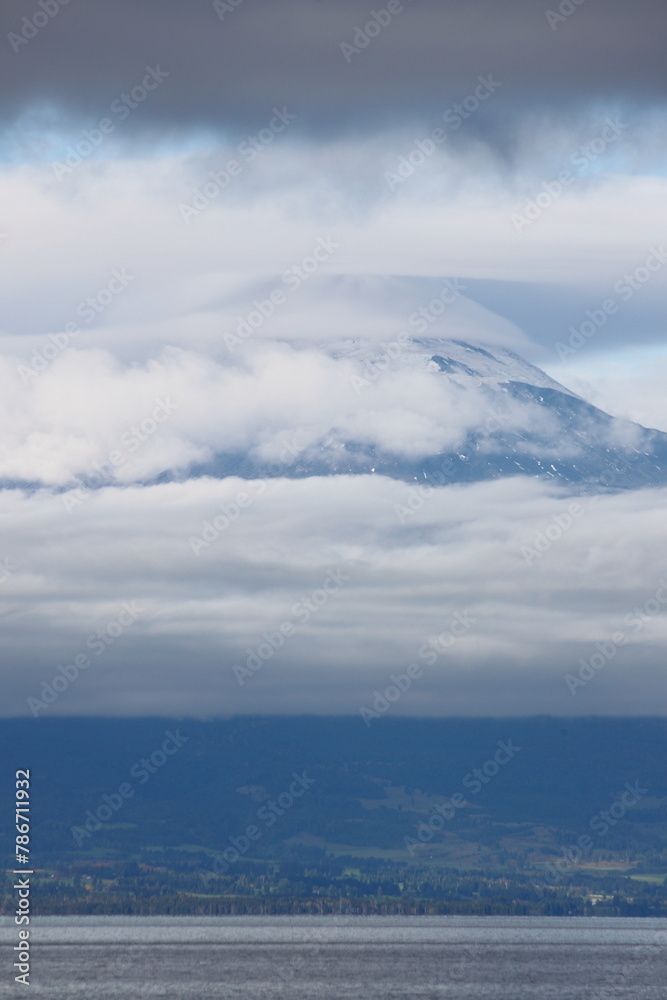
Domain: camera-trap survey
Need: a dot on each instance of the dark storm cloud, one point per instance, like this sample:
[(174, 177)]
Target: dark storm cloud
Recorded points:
[(231, 71)]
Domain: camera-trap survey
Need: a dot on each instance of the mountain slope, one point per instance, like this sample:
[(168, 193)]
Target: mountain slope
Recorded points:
[(529, 424)]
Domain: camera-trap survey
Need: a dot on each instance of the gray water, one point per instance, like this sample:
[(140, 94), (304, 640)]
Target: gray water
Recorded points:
[(264, 958)]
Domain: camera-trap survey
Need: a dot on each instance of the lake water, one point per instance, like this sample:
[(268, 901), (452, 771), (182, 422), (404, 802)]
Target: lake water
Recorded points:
[(246, 958)]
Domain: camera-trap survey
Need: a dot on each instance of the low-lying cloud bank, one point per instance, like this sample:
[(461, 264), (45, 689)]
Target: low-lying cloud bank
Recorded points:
[(85, 417), (214, 597)]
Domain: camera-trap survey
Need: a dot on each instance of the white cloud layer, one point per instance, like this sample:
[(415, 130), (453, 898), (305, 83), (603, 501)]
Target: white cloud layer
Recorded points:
[(453, 216), (85, 415), (118, 313), (204, 606)]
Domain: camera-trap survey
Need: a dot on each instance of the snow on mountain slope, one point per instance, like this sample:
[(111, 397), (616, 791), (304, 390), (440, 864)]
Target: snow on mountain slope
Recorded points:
[(439, 409), (486, 365), (528, 424)]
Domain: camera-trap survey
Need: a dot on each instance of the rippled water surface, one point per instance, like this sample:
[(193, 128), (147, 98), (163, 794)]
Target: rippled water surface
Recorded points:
[(499, 958)]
